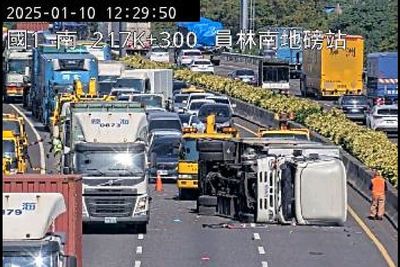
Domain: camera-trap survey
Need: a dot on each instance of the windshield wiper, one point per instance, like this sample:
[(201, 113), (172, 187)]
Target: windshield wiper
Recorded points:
[(126, 172), (95, 172)]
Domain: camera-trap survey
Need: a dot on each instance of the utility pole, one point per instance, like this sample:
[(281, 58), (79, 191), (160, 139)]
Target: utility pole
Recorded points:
[(122, 50), (244, 15)]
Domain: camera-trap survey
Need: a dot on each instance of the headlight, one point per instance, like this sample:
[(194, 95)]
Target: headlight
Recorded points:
[(141, 204), (185, 176)]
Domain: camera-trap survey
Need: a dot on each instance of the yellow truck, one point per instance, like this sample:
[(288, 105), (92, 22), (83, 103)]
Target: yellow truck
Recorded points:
[(16, 124), (13, 154), (333, 72), (77, 96), (187, 181)]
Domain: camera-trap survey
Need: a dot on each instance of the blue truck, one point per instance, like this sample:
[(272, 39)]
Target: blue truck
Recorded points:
[(382, 76), (284, 51), (55, 72)]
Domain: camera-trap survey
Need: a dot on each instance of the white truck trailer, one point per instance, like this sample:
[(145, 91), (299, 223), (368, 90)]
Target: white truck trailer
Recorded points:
[(105, 143)]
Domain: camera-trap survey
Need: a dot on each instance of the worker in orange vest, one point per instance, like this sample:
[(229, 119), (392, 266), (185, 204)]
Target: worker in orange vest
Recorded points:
[(378, 188)]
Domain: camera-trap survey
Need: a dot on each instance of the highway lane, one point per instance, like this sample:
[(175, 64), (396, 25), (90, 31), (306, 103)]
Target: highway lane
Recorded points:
[(176, 237), (226, 67)]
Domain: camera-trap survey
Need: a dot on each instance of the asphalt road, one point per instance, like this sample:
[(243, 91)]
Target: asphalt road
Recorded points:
[(227, 67), (176, 236)]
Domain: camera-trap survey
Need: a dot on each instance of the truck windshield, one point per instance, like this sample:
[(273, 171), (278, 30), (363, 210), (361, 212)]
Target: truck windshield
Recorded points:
[(11, 126), (276, 74), (9, 148), (165, 124), (18, 65), (105, 87), (148, 100), (102, 163), (130, 83), (189, 151), (29, 260)]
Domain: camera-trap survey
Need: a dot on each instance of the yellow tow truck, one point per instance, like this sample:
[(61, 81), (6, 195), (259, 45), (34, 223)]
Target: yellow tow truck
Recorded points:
[(13, 154), (187, 181), (16, 124), (77, 96)]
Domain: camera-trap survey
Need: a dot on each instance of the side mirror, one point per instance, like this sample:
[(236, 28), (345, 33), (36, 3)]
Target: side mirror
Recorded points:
[(233, 105), (70, 261), (67, 150), (66, 170)]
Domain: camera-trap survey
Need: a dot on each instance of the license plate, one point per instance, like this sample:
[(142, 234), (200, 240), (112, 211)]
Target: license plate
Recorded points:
[(110, 220), (162, 172), (355, 110)]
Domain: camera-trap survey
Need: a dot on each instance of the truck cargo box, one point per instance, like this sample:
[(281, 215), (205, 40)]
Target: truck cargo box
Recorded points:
[(330, 72), (70, 186), (382, 65)]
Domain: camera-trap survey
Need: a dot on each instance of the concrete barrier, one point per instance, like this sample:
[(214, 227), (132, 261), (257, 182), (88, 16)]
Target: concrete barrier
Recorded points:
[(358, 175)]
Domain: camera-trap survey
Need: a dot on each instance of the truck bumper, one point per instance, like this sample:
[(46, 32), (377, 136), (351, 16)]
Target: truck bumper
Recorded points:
[(113, 220), (187, 184)]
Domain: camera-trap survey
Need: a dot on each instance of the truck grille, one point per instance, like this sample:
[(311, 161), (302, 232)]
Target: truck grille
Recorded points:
[(110, 206)]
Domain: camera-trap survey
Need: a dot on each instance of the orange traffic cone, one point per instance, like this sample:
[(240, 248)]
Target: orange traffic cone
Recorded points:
[(159, 186)]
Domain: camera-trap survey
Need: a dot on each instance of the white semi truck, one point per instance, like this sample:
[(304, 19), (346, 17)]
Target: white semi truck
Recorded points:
[(266, 181), (105, 143), (109, 71), (147, 81), (27, 238)]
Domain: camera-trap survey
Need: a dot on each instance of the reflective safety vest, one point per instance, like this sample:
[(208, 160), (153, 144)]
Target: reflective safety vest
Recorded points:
[(378, 186)]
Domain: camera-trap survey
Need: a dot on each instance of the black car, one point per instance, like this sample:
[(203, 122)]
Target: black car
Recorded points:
[(164, 156), (222, 112), (354, 106)]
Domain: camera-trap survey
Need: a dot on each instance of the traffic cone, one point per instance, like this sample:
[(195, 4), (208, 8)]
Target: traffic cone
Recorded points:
[(159, 186)]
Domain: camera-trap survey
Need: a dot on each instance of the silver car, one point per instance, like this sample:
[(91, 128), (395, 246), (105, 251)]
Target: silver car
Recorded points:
[(383, 118)]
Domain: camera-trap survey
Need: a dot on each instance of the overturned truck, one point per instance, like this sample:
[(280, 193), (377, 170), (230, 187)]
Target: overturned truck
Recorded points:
[(266, 181)]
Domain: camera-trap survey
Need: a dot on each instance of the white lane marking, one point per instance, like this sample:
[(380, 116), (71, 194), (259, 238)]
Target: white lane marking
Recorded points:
[(264, 264), (253, 225), (139, 250), (37, 135), (261, 250), (256, 236), (246, 129), (138, 263), (140, 236)]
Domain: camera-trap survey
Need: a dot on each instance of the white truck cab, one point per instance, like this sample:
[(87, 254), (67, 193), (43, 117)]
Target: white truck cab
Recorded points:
[(27, 236)]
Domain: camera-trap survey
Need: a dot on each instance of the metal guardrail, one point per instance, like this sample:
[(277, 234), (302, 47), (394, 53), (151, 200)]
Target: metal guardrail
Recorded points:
[(241, 58)]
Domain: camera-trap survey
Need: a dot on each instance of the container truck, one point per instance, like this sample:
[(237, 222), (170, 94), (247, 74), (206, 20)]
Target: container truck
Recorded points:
[(150, 81), (382, 76), (42, 221), (334, 72), (109, 71), (17, 74), (105, 143), (56, 73), (266, 181)]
